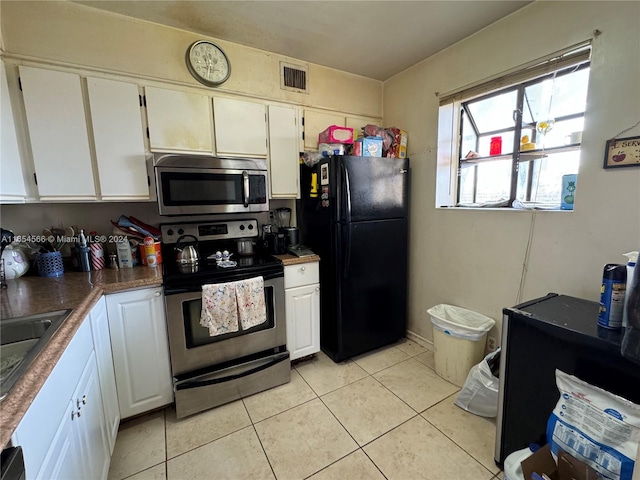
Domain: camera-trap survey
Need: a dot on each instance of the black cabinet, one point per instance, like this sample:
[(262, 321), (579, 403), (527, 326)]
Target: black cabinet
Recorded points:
[(556, 331)]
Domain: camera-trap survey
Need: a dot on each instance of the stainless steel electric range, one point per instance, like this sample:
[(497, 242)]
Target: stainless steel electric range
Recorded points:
[(212, 370)]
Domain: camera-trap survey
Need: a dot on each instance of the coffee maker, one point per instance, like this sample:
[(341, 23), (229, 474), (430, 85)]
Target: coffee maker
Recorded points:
[(273, 242)]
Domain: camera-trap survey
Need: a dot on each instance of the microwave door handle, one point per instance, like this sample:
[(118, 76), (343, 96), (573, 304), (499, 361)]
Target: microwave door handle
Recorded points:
[(245, 188)]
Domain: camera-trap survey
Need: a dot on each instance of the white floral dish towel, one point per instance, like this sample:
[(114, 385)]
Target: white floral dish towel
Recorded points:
[(219, 308), (251, 306)]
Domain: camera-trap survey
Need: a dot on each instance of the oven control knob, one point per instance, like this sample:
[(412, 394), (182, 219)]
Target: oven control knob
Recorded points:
[(180, 231), (169, 232), (241, 227), (250, 226)]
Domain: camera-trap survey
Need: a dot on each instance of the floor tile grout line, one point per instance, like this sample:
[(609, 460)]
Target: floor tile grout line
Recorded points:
[(265, 452), (374, 463), (395, 395), (143, 470), (166, 447), (451, 439)]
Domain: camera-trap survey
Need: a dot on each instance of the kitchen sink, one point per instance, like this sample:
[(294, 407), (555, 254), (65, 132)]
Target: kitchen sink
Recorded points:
[(21, 339)]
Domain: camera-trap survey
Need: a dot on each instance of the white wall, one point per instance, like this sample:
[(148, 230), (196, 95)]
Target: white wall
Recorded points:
[(474, 259), (61, 33), (66, 32)]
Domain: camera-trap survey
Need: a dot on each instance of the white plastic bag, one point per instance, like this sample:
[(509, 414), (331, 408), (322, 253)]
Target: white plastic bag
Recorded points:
[(460, 322), (595, 426), (513, 464), (479, 394)]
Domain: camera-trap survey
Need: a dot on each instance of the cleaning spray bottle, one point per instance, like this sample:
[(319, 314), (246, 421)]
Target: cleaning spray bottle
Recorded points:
[(632, 259)]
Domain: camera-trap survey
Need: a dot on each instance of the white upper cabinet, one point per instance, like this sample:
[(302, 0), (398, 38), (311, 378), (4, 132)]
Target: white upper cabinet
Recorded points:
[(358, 122), (58, 133), (179, 121), (118, 138), (316, 122), (240, 126), (284, 157), (12, 189)]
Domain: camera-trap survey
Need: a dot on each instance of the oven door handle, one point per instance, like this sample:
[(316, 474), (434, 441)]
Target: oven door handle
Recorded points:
[(214, 378), (245, 189)]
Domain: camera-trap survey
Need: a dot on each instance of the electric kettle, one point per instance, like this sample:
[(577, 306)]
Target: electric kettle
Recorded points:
[(187, 252)]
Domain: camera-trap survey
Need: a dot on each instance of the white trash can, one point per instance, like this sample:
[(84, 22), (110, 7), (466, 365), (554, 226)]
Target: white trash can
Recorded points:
[(459, 338)]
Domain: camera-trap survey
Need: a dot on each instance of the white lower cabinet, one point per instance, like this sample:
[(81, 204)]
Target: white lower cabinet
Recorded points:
[(63, 434), (106, 374), (140, 349), (302, 308)]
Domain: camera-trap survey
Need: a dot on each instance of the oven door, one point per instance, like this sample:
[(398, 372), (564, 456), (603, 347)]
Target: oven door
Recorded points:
[(189, 191), (192, 347)]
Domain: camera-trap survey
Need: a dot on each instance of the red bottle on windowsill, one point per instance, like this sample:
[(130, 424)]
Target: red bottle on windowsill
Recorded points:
[(495, 148)]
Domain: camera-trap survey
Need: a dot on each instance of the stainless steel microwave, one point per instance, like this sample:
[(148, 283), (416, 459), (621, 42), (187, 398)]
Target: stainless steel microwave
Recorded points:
[(201, 185)]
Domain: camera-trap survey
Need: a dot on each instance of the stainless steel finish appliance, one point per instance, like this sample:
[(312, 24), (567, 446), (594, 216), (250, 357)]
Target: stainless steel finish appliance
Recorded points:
[(201, 185), (211, 370)]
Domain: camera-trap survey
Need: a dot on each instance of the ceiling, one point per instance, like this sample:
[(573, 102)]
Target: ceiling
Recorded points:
[(376, 39)]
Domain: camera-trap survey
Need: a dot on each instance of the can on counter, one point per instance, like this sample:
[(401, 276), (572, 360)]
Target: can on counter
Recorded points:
[(150, 252), (612, 295)]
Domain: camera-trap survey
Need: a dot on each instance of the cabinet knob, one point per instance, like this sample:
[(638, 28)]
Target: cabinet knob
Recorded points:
[(73, 415), (303, 268), (82, 401), (157, 294), (317, 289), (79, 411)]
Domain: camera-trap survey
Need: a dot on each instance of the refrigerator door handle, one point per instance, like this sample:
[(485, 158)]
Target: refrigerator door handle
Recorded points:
[(345, 194), (347, 260)]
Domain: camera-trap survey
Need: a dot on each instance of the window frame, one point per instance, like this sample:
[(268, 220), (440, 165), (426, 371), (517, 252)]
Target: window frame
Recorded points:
[(450, 130)]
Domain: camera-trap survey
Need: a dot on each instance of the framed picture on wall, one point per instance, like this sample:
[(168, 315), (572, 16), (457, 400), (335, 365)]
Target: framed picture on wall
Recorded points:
[(622, 152)]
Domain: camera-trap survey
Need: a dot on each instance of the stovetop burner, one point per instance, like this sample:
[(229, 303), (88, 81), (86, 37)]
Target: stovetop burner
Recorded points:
[(213, 237)]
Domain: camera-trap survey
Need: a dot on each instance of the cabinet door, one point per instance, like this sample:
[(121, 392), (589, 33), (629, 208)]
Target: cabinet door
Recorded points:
[(58, 133), (284, 157), (89, 425), (316, 122), (40, 425), (63, 460), (302, 306), (12, 188), (357, 123), (106, 374), (118, 137), (140, 349), (179, 121), (241, 127)]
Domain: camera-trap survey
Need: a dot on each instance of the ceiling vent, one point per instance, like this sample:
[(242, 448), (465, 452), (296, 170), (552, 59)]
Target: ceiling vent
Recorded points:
[(293, 77)]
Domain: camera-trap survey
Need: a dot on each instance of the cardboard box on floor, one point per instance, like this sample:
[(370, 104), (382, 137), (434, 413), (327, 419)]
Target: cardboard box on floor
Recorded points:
[(568, 467)]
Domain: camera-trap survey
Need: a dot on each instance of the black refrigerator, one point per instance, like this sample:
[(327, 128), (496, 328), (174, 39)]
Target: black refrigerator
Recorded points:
[(354, 213)]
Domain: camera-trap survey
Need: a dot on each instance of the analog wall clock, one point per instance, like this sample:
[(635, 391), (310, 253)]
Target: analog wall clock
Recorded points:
[(208, 63)]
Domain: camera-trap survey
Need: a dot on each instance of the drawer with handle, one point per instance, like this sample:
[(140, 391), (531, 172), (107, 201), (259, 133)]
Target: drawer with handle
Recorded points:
[(301, 274)]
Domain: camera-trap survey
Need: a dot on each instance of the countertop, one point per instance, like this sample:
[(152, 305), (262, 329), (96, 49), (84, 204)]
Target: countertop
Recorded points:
[(78, 291), (288, 259)]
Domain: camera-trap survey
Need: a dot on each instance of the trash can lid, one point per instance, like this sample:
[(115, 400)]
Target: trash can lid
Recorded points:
[(460, 319)]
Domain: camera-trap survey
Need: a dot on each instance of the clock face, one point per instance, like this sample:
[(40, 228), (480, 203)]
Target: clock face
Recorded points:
[(208, 63)]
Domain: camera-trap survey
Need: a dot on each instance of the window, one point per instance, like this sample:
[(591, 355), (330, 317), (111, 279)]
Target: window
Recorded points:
[(517, 136)]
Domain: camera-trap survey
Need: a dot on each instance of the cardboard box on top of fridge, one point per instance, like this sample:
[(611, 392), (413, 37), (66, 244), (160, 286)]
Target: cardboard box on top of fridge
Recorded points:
[(336, 134), (399, 147), (368, 147)]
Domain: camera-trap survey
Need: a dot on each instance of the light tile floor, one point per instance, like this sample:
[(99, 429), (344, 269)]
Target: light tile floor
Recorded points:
[(385, 414)]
